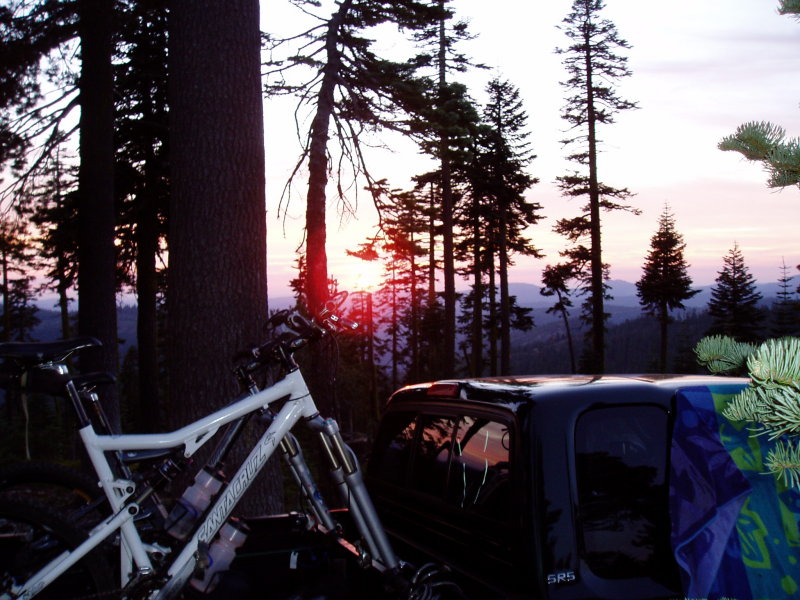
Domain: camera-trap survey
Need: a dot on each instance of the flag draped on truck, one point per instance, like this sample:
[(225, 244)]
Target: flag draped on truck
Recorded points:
[(735, 529)]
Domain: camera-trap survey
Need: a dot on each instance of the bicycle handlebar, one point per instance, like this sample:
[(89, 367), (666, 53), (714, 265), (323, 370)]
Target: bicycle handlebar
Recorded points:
[(300, 330)]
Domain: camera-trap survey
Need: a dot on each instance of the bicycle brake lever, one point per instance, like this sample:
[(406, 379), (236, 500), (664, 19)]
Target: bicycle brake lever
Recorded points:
[(333, 321)]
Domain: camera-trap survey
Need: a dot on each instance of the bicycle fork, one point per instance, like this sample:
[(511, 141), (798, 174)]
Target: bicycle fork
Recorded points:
[(349, 480), (347, 477)]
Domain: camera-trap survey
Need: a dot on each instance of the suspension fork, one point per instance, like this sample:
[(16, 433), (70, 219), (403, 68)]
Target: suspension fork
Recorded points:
[(347, 474)]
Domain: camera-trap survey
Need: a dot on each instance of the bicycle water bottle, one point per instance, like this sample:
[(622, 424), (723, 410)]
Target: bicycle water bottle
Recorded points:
[(221, 554), (194, 501)]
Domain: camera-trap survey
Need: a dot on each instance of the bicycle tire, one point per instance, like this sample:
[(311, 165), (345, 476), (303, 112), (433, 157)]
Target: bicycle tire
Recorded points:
[(33, 534), (72, 491)]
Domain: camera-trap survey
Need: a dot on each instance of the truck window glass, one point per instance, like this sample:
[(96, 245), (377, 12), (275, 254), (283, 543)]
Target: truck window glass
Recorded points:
[(479, 477), (393, 447), (621, 456), (432, 456)]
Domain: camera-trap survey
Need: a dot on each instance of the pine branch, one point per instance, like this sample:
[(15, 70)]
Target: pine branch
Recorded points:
[(785, 164), (776, 363), (754, 140), (746, 406), (783, 461), (781, 412), (789, 7), (722, 354)]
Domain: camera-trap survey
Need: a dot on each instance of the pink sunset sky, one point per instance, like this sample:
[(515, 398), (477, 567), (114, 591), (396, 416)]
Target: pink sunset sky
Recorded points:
[(700, 69)]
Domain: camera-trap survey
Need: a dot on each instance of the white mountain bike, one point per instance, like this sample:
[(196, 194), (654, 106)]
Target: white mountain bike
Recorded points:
[(47, 553)]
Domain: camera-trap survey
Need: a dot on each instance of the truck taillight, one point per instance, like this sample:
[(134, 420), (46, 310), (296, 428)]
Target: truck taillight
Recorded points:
[(444, 390)]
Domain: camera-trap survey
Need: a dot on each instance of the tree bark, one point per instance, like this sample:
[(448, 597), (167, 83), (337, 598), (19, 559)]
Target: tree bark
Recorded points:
[(217, 294), (147, 313), (97, 307)]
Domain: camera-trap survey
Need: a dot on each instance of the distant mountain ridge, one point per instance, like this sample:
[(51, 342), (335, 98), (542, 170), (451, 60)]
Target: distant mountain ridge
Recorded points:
[(624, 306), (624, 294)]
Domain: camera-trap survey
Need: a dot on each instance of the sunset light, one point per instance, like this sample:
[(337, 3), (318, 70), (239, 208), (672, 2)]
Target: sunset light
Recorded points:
[(355, 275)]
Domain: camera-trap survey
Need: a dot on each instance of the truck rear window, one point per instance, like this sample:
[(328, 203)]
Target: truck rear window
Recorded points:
[(461, 460), (621, 456)]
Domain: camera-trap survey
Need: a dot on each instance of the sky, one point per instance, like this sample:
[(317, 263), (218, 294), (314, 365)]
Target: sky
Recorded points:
[(700, 69)]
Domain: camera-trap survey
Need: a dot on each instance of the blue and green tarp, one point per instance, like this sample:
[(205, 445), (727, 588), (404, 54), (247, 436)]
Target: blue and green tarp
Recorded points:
[(735, 529)]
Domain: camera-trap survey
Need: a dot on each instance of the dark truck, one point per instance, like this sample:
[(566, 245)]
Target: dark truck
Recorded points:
[(543, 487)]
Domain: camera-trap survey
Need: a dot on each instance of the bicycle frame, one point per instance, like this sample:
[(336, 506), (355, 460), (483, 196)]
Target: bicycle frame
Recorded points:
[(134, 558)]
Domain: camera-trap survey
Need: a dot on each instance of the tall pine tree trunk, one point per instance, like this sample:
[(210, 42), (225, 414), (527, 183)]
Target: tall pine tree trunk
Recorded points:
[(63, 303), (414, 327), (6, 334), (596, 260), (505, 301), (316, 285), (448, 258), (97, 307), (217, 298), (477, 308), (62, 266), (568, 331), (663, 321), (147, 313), (147, 238), (492, 289)]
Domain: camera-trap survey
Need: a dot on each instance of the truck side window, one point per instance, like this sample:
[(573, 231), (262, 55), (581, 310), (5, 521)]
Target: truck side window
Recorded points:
[(393, 447), (621, 456), (432, 456), (479, 477)]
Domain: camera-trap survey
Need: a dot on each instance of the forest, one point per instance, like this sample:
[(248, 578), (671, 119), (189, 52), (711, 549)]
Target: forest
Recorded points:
[(133, 163)]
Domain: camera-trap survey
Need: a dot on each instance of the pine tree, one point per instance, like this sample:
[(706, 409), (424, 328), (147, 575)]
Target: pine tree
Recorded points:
[(53, 211), (665, 283), (554, 283), (448, 129), (734, 301), (402, 305), (786, 308), (501, 181), (592, 65), (19, 313), (351, 90), (217, 247), (142, 186), (97, 308), (36, 37)]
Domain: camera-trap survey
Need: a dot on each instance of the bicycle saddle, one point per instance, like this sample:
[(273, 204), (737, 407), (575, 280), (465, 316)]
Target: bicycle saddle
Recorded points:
[(42, 352)]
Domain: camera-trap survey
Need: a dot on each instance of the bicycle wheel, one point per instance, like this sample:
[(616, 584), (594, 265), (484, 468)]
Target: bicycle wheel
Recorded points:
[(31, 535), (73, 492)]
